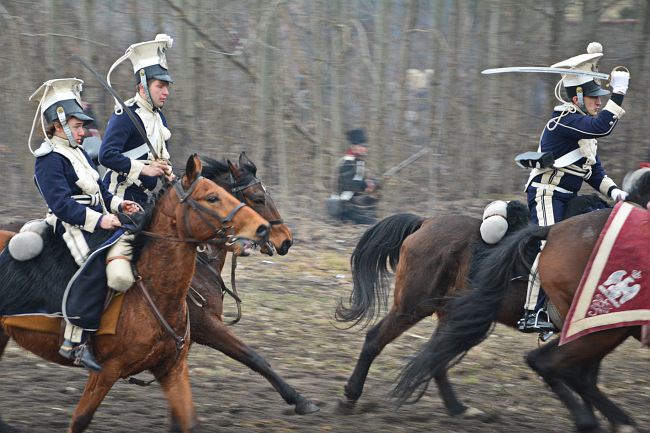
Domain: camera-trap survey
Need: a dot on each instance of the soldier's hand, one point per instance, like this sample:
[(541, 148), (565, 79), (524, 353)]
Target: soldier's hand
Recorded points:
[(618, 194), (619, 81), (109, 222), (130, 207), (155, 169)]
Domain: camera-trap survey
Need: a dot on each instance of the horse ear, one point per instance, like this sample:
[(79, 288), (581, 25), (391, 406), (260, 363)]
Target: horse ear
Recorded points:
[(245, 161), (232, 167), (192, 170)]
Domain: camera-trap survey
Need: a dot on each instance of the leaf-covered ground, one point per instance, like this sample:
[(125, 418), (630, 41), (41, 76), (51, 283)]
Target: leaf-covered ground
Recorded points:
[(288, 318)]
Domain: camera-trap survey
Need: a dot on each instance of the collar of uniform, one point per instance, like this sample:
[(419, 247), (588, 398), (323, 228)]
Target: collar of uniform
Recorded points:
[(58, 141), (143, 103)]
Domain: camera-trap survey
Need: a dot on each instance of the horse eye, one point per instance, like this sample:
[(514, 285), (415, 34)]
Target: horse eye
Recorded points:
[(259, 199), (212, 199)]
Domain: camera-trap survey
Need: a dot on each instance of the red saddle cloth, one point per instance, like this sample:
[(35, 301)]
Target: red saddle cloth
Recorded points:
[(615, 287)]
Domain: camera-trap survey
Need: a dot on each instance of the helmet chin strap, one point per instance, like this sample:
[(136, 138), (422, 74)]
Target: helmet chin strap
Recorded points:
[(581, 100), (143, 81), (60, 113)]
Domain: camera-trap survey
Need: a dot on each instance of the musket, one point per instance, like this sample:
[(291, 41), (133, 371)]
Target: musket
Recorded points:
[(126, 109), (546, 70), (411, 159)]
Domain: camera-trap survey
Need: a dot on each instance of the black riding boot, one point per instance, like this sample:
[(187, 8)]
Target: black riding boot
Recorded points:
[(80, 353)]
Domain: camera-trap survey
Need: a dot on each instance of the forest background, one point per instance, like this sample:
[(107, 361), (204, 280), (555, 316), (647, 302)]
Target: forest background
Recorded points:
[(284, 80)]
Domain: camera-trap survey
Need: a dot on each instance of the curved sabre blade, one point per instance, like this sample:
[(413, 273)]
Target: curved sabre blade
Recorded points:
[(546, 70)]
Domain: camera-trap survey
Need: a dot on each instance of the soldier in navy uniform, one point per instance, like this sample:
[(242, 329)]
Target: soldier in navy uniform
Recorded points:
[(355, 190), (79, 204), (132, 170), (571, 135)]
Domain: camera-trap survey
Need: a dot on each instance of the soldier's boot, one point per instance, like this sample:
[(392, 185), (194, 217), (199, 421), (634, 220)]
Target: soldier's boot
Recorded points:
[(76, 347)]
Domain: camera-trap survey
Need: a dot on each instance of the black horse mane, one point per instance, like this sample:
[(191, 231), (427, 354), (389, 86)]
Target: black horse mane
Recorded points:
[(639, 192)]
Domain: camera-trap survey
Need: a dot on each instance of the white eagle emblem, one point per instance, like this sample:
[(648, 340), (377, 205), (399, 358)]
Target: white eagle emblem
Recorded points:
[(618, 288)]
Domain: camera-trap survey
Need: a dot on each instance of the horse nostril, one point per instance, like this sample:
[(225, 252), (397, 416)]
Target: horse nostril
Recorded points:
[(263, 232)]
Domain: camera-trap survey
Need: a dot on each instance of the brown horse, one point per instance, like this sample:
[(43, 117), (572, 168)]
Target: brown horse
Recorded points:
[(195, 210), (432, 259), (206, 301), (573, 367)]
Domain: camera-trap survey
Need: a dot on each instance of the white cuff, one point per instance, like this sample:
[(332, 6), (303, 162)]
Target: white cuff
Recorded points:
[(136, 168), (115, 203), (605, 185), (91, 220), (613, 107)]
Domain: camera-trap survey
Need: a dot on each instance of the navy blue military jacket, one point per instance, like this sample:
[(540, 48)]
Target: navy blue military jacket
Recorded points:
[(561, 136), (57, 182), (122, 136)]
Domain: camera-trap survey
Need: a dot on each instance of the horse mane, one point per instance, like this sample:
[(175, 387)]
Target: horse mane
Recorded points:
[(639, 191), (213, 169), (140, 239)]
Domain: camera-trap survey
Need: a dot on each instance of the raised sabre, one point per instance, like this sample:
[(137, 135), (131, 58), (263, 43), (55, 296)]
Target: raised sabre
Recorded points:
[(546, 70), (128, 112)]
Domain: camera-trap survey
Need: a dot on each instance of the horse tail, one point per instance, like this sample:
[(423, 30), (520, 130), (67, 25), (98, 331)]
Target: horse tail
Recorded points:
[(378, 245), (469, 318)]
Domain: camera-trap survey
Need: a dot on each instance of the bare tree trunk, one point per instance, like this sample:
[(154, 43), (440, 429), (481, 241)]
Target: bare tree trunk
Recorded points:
[(317, 83), (378, 108), (337, 51)]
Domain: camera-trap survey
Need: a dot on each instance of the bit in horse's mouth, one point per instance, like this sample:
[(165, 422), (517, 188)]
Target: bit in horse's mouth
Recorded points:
[(241, 246)]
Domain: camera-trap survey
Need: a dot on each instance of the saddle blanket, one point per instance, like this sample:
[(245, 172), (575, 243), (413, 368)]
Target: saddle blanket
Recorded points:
[(52, 325), (615, 287)]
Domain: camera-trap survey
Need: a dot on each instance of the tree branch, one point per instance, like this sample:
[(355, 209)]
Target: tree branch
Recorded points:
[(203, 35)]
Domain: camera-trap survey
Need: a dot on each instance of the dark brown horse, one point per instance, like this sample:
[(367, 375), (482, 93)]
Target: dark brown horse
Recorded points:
[(206, 312), (432, 259), (194, 210), (573, 367)]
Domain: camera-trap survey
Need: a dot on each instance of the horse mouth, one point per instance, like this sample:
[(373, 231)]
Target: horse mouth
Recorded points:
[(241, 246), (268, 248)]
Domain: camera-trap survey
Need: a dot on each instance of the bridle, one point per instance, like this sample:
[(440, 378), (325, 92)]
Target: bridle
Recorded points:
[(238, 189), (221, 235)]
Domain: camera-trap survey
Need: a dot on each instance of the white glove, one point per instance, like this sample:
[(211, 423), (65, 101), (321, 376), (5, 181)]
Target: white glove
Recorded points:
[(618, 194), (619, 81)]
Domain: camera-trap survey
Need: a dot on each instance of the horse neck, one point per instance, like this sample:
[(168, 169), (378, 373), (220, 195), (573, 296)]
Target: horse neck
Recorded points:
[(167, 266)]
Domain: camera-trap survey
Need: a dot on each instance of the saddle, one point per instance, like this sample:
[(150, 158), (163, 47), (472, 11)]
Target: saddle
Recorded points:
[(34, 289)]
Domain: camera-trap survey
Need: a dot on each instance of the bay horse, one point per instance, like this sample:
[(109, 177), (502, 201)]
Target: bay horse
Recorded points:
[(150, 336), (431, 258), (572, 367)]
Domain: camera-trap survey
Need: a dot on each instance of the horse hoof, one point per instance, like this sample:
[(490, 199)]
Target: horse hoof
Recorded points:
[(305, 407), (346, 407), (477, 414), (6, 428)]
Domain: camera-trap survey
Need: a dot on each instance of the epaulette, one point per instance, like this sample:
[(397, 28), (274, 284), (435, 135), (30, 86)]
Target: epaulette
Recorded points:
[(46, 147)]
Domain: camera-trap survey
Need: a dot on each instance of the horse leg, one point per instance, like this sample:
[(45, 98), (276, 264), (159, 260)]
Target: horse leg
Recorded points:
[(214, 333), (586, 384), (388, 329), (96, 388), (176, 385), (576, 366), (4, 341)]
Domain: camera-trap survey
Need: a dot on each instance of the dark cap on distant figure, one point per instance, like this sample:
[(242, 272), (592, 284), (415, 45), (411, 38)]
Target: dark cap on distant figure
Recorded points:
[(357, 136)]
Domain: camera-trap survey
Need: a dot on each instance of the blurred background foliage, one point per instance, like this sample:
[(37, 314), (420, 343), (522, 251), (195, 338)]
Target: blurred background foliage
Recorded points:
[(284, 80)]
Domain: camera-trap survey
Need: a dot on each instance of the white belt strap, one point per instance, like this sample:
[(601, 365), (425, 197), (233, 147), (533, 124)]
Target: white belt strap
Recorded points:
[(137, 152), (551, 187), (568, 159), (87, 199)]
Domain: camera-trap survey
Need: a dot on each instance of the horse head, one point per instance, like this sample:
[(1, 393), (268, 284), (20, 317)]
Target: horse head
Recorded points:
[(250, 189), (637, 185), (206, 211)]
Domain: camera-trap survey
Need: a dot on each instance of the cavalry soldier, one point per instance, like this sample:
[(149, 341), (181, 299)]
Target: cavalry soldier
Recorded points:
[(354, 189), (79, 204), (132, 169), (570, 135)]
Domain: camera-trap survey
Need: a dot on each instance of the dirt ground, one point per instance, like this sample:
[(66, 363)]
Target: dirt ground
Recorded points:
[(288, 307)]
